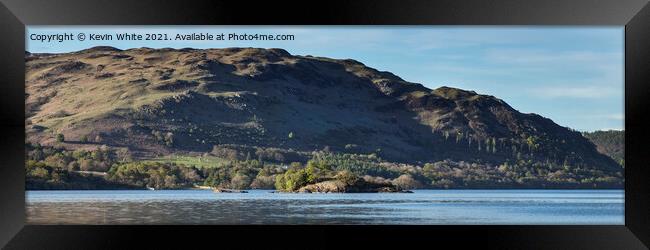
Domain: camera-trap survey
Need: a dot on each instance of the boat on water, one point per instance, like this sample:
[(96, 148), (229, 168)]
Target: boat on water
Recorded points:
[(150, 188)]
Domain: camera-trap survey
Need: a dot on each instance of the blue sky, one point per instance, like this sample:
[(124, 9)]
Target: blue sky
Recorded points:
[(573, 75)]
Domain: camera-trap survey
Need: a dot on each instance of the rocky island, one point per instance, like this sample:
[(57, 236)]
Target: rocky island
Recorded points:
[(336, 186), (313, 180)]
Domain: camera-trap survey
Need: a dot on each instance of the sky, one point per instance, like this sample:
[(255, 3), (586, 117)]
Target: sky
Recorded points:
[(572, 75)]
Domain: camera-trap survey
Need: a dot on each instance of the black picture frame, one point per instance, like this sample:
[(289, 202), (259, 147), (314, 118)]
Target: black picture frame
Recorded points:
[(633, 14)]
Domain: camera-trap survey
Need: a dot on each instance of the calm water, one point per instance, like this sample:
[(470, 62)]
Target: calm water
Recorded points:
[(263, 207)]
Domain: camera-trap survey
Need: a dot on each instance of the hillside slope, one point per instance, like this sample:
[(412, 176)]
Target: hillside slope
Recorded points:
[(157, 102), (610, 143)]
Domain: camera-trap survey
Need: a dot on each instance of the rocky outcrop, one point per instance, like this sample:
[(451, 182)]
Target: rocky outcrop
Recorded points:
[(324, 187)]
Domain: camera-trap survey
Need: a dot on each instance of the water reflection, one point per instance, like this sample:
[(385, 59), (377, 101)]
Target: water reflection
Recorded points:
[(262, 207)]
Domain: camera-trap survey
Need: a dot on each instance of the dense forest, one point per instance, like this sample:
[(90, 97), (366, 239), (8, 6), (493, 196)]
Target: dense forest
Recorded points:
[(610, 143), (104, 168)]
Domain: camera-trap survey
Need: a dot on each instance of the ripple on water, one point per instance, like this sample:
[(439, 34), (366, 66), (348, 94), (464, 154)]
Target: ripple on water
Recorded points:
[(263, 207)]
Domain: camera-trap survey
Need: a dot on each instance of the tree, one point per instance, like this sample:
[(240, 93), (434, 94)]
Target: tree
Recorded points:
[(37, 154), (224, 152), (60, 138), (312, 174), (169, 139), (494, 145), (295, 165), (86, 164), (170, 181), (406, 181), (263, 181), (240, 181), (40, 173), (319, 164), (295, 179), (347, 177), (504, 167), (291, 180), (84, 139), (431, 171), (279, 182), (532, 143)]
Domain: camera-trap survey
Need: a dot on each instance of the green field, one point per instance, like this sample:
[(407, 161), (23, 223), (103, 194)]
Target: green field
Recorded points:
[(197, 161)]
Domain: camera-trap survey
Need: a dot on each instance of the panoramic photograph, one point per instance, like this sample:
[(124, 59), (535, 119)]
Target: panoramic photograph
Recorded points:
[(446, 125)]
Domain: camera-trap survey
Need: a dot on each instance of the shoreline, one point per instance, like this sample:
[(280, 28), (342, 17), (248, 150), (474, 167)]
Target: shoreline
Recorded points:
[(276, 191)]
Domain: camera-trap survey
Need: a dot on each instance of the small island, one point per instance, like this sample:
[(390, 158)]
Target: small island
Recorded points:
[(319, 179), (342, 182)]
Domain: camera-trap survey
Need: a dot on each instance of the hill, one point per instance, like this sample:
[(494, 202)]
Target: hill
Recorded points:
[(243, 103)]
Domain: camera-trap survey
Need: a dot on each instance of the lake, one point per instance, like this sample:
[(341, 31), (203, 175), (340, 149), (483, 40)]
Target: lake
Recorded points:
[(458, 207)]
